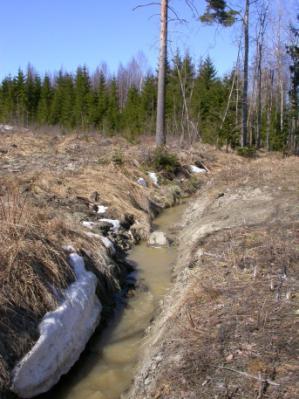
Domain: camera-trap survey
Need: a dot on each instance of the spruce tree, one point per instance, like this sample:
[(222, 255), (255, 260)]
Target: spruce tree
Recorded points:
[(33, 90), (44, 105), (83, 107), (7, 103), (112, 118), (149, 103), (20, 99), (101, 102), (67, 117), (56, 104), (132, 118), (207, 99)]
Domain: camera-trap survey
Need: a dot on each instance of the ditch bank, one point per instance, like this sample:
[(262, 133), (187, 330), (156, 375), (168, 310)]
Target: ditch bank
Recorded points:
[(227, 328), (107, 368), (55, 210)]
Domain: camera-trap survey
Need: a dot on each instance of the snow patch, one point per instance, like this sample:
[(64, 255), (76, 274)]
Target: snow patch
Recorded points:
[(108, 244), (154, 178), (64, 334), (89, 225), (196, 169), (6, 128), (102, 209), (114, 222)]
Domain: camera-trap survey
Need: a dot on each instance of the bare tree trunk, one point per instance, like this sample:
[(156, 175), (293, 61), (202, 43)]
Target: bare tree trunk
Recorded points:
[(271, 79), (259, 97), (245, 77), (281, 85), (237, 100), (189, 124), (263, 13), (234, 83), (160, 126)]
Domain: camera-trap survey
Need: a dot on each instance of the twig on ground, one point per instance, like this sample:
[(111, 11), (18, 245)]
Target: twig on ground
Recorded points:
[(267, 380)]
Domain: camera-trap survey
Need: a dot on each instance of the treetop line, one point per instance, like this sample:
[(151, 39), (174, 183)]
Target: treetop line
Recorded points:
[(253, 105)]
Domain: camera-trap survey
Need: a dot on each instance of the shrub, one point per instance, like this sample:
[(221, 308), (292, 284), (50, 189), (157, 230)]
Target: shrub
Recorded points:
[(118, 157), (248, 152), (164, 160)]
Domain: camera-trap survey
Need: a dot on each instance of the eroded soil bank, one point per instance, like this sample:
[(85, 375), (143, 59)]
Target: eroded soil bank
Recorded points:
[(228, 327), (85, 191)]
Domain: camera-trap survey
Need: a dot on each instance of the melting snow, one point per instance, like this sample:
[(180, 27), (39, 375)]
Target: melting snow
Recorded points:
[(89, 225), (154, 178), (102, 209), (63, 335), (108, 244), (196, 169)]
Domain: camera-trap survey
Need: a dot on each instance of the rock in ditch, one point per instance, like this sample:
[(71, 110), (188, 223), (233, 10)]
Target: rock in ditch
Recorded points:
[(158, 239)]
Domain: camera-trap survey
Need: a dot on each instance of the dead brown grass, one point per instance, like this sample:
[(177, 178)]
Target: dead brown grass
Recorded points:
[(34, 271), (236, 329), (271, 170), (32, 264)]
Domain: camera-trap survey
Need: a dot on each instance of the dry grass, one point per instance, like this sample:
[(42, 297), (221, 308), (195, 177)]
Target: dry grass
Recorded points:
[(236, 327), (34, 271), (273, 170), (32, 264)]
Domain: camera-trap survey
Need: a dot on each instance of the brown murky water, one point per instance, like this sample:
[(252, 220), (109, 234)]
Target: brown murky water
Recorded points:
[(107, 368)]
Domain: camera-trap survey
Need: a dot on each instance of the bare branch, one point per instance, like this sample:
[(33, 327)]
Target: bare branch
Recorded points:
[(146, 5), (177, 18), (193, 8)]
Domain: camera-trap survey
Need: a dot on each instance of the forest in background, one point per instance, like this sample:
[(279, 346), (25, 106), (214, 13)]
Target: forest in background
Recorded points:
[(199, 103)]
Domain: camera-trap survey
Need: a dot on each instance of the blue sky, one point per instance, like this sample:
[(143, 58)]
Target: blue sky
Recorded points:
[(51, 34)]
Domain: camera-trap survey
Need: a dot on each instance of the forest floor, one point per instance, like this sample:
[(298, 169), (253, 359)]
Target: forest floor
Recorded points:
[(228, 327)]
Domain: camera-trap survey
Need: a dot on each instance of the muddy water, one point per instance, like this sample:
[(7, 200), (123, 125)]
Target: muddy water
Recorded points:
[(106, 370)]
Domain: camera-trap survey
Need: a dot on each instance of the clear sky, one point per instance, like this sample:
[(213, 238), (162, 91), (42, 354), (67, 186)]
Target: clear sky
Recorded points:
[(51, 34)]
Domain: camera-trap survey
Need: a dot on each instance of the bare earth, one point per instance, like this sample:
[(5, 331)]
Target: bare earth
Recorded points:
[(228, 327)]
